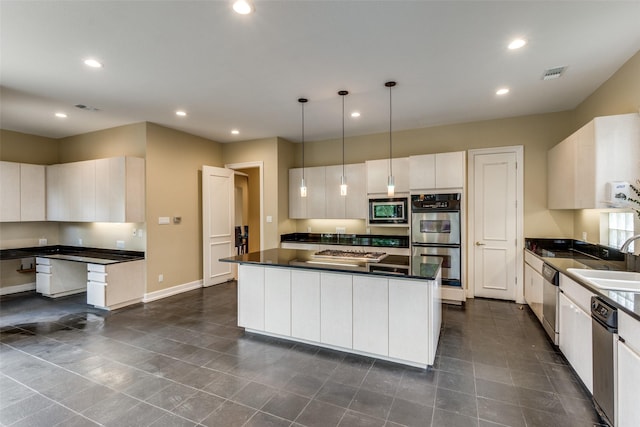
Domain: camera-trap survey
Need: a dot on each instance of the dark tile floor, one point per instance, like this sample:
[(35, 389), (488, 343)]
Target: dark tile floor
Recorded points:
[(182, 362)]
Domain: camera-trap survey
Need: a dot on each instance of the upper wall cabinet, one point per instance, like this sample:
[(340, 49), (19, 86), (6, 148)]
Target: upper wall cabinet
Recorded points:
[(22, 192), (437, 171), (104, 190), (378, 174), (605, 149), (323, 193)]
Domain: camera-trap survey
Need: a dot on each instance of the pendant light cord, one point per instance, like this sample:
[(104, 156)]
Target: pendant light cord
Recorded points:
[(390, 85), (302, 101), (343, 136)]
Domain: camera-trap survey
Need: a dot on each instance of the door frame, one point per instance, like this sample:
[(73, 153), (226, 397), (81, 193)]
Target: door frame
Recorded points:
[(260, 166), (518, 150)]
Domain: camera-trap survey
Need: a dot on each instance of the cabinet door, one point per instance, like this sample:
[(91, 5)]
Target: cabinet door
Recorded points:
[(251, 297), (422, 172), (408, 320), (378, 173), (54, 193), (583, 353), (335, 204), (566, 327), (356, 201), (316, 192), (305, 305), (628, 409), (450, 170), (103, 190), (297, 204), (9, 191), (277, 301), (533, 285), (32, 192), (585, 171), (371, 314), (336, 310), (78, 191), (561, 174)]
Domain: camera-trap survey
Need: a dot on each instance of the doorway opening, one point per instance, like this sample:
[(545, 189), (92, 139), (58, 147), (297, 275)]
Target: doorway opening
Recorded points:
[(248, 178)]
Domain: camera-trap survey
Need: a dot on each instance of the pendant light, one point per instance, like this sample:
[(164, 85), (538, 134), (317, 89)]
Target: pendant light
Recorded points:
[(303, 185), (343, 179), (391, 187)]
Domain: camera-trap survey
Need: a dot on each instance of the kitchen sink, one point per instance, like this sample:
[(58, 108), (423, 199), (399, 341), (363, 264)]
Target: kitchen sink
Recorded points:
[(609, 279)]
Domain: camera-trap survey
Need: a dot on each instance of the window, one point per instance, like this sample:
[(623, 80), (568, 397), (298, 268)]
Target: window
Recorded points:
[(620, 228)]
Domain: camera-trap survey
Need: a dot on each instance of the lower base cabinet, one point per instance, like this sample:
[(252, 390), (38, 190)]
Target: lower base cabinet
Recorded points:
[(371, 314), (628, 404), (117, 285), (392, 319), (58, 278), (575, 339)]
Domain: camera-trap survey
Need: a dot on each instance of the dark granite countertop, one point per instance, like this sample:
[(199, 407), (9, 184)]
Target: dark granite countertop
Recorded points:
[(73, 253), (563, 254), (294, 258), (377, 240)]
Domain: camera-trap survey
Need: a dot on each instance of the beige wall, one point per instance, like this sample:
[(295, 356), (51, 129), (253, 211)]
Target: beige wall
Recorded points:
[(536, 133), (128, 140), (25, 148), (174, 175), (618, 95)]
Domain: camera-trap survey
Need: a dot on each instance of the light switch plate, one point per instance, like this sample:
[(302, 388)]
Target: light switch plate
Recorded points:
[(269, 218), (163, 220)]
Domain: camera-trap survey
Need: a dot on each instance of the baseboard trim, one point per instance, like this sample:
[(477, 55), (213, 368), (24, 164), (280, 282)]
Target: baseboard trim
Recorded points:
[(174, 290), (15, 289)]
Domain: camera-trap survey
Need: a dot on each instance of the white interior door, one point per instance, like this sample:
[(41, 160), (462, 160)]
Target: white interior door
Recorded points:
[(217, 224), (495, 231)]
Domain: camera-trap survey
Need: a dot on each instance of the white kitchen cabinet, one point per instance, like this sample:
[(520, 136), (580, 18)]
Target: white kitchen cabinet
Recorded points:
[(378, 174), (22, 192), (605, 149), (371, 314), (354, 204), (32, 192), (112, 286), (251, 297), (437, 171), (305, 305), (336, 309), (316, 192), (57, 278), (627, 407), (409, 321), (120, 190), (575, 328), (533, 283), (9, 191), (297, 204), (103, 190), (277, 301)]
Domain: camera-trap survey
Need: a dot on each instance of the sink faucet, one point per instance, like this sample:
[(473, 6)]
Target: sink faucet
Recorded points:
[(627, 243)]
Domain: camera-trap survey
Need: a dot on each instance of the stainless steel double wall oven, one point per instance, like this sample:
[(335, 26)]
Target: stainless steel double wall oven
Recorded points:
[(436, 236)]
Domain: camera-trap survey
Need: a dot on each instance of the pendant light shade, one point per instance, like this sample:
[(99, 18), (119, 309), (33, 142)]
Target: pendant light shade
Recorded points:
[(391, 186), (303, 185), (343, 178)]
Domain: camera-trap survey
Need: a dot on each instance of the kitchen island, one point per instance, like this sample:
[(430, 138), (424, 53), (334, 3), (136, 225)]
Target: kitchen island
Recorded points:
[(343, 304)]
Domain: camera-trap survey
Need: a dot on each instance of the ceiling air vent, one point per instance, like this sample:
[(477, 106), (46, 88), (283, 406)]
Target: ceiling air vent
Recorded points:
[(86, 107), (553, 73)]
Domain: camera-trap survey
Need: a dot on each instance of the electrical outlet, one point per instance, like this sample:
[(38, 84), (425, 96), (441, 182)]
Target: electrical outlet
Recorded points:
[(42, 242), (79, 241), (341, 230), (160, 277), (120, 244)]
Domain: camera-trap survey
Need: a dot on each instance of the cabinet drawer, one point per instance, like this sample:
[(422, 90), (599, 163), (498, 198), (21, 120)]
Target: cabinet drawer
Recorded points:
[(43, 261), (576, 292), (98, 268), (629, 329), (43, 283), (97, 294), (40, 268), (533, 261), (94, 276)]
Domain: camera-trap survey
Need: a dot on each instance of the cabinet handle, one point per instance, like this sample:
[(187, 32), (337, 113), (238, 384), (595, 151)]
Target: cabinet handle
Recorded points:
[(479, 244)]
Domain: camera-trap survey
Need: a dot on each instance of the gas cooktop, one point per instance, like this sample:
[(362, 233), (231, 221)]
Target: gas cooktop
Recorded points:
[(351, 255)]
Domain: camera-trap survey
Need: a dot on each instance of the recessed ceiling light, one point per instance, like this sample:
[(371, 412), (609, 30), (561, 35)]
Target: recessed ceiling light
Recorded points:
[(517, 44), (92, 63), (61, 115), (355, 114), (243, 7), (235, 132), (181, 113), (502, 91)]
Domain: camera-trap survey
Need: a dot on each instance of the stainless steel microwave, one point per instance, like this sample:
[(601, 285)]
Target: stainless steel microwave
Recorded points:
[(389, 211)]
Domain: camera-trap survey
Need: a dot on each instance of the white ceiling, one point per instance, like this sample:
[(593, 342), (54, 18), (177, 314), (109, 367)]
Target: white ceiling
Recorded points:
[(246, 72)]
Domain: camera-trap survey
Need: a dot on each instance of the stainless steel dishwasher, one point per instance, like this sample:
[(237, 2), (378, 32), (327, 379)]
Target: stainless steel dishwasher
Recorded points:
[(604, 320)]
